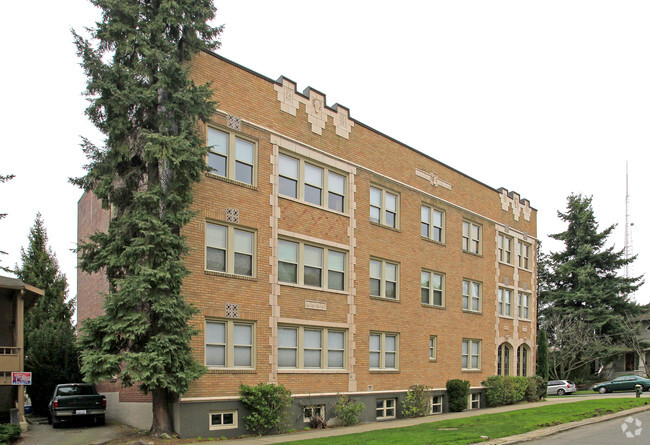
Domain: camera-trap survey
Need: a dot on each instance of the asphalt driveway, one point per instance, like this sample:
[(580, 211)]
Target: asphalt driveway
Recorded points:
[(79, 433)]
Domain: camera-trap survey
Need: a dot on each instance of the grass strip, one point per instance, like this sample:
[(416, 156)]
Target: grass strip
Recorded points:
[(470, 429)]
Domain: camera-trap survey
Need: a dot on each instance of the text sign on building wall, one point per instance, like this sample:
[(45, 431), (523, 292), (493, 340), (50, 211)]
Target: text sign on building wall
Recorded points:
[(21, 378)]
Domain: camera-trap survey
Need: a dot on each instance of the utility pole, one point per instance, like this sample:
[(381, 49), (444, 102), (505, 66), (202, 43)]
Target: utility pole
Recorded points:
[(628, 225)]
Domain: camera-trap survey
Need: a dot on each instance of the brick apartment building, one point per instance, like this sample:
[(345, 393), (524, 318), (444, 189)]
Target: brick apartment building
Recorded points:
[(332, 259)]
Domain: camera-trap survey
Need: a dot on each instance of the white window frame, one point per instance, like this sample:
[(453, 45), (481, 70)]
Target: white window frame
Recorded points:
[(505, 245), (231, 159), (504, 302), (472, 237), (474, 401), (504, 359), (433, 348), (326, 187), (324, 347), (523, 255), (230, 251), (470, 354), (523, 310), (325, 268), (381, 412), (429, 222), (383, 210), (471, 296), (436, 404), (431, 290), (223, 426), (229, 344), (383, 279), (310, 409), (383, 352)]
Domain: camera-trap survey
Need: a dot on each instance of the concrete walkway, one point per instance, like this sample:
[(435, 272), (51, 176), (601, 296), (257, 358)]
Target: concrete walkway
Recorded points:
[(374, 426)]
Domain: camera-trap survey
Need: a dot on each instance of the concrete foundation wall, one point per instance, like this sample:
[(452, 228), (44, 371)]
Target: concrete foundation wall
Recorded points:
[(138, 415)]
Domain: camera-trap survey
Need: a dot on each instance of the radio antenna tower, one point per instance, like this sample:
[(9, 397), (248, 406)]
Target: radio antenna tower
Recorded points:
[(628, 227)]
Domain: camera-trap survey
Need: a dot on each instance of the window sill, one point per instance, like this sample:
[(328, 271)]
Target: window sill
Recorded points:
[(309, 204), (467, 311), (383, 226), (432, 241), (433, 306), (390, 300), (506, 317), (480, 255), (472, 371), (312, 371), (503, 263), (231, 371), (230, 181), (384, 419), (384, 371), (319, 289), (433, 360), (229, 275)]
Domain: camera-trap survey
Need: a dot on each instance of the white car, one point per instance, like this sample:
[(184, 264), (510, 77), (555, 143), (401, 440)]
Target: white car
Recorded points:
[(560, 387)]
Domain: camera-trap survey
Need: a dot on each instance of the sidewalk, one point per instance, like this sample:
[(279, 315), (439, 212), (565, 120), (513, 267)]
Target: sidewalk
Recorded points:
[(374, 426)]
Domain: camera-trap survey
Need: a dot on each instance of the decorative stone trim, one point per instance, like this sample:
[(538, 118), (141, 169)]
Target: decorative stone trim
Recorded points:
[(433, 178), (234, 122), (232, 310), (232, 215), (519, 206)]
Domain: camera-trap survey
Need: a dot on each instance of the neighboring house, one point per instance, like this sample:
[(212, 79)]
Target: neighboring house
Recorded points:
[(16, 297), (333, 259), (631, 362)]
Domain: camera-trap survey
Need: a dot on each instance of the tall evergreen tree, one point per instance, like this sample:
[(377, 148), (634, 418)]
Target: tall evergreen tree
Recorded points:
[(584, 279), (50, 343), (142, 99), (542, 355)]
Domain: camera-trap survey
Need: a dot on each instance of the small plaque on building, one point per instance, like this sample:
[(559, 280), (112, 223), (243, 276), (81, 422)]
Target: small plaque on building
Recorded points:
[(316, 305), (21, 378)]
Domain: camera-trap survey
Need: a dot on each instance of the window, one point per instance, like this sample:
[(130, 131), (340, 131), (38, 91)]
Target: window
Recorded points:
[(474, 400), (231, 156), (432, 288), (229, 249), (383, 207), (311, 411), (384, 278), (432, 221), (524, 250), (503, 359), (433, 340), (505, 249), (386, 408), (522, 360), (300, 263), (306, 347), (223, 420), (471, 237), (310, 183), (523, 305), (229, 344), (383, 350), (471, 296), (471, 354), (505, 302), (435, 402)]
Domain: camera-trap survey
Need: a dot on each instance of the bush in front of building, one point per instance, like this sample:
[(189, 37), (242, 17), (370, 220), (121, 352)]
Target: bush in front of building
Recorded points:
[(268, 405), (9, 433), (416, 403), (457, 393), (505, 390), (347, 410), (536, 389)]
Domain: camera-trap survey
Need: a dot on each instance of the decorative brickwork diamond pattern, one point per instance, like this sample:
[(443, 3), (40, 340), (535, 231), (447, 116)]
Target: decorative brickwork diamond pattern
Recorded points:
[(232, 310), (232, 216), (234, 122)]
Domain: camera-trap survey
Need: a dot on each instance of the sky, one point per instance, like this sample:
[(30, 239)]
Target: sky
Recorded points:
[(546, 98)]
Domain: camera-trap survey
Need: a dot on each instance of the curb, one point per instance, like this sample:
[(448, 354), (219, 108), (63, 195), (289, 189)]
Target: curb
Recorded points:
[(549, 431)]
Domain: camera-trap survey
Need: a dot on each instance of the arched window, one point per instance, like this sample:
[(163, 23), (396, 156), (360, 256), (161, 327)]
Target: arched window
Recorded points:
[(503, 359), (522, 360)]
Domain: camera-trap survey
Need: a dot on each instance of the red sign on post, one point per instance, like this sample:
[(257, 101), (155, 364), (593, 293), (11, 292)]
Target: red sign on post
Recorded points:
[(21, 378)]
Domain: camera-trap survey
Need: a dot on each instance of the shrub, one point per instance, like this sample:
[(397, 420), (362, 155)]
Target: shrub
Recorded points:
[(457, 392), (348, 410), (416, 403), (9, 433), (505, 390), (268, 406), (536, 388)]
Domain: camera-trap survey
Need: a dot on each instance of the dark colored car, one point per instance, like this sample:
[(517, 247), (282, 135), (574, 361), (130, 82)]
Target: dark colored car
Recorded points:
[(623, 383), (76, 401)]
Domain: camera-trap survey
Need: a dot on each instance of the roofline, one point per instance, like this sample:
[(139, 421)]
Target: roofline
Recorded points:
[(368, 127)]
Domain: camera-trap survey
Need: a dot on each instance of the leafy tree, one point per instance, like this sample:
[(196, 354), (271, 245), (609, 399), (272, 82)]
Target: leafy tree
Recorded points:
[(633, 340), (542, 354), (50, 343), (142, 99), (5, 178)]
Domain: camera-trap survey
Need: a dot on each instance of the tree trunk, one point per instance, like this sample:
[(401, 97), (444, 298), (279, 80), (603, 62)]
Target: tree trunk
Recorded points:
[(162, 422)]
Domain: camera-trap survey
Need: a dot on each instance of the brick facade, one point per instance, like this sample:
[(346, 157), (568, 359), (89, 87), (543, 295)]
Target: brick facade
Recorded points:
[(279, 121)]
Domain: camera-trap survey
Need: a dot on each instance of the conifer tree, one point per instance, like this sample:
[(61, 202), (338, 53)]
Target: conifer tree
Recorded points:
[(584, 280), (50, 343), (542, 355), (142, 99)]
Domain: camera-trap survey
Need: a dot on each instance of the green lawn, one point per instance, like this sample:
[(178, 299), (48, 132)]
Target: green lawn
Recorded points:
[(470, 429)]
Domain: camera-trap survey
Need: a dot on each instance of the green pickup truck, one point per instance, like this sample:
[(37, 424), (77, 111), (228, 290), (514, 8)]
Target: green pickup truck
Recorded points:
[(76, 401)]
